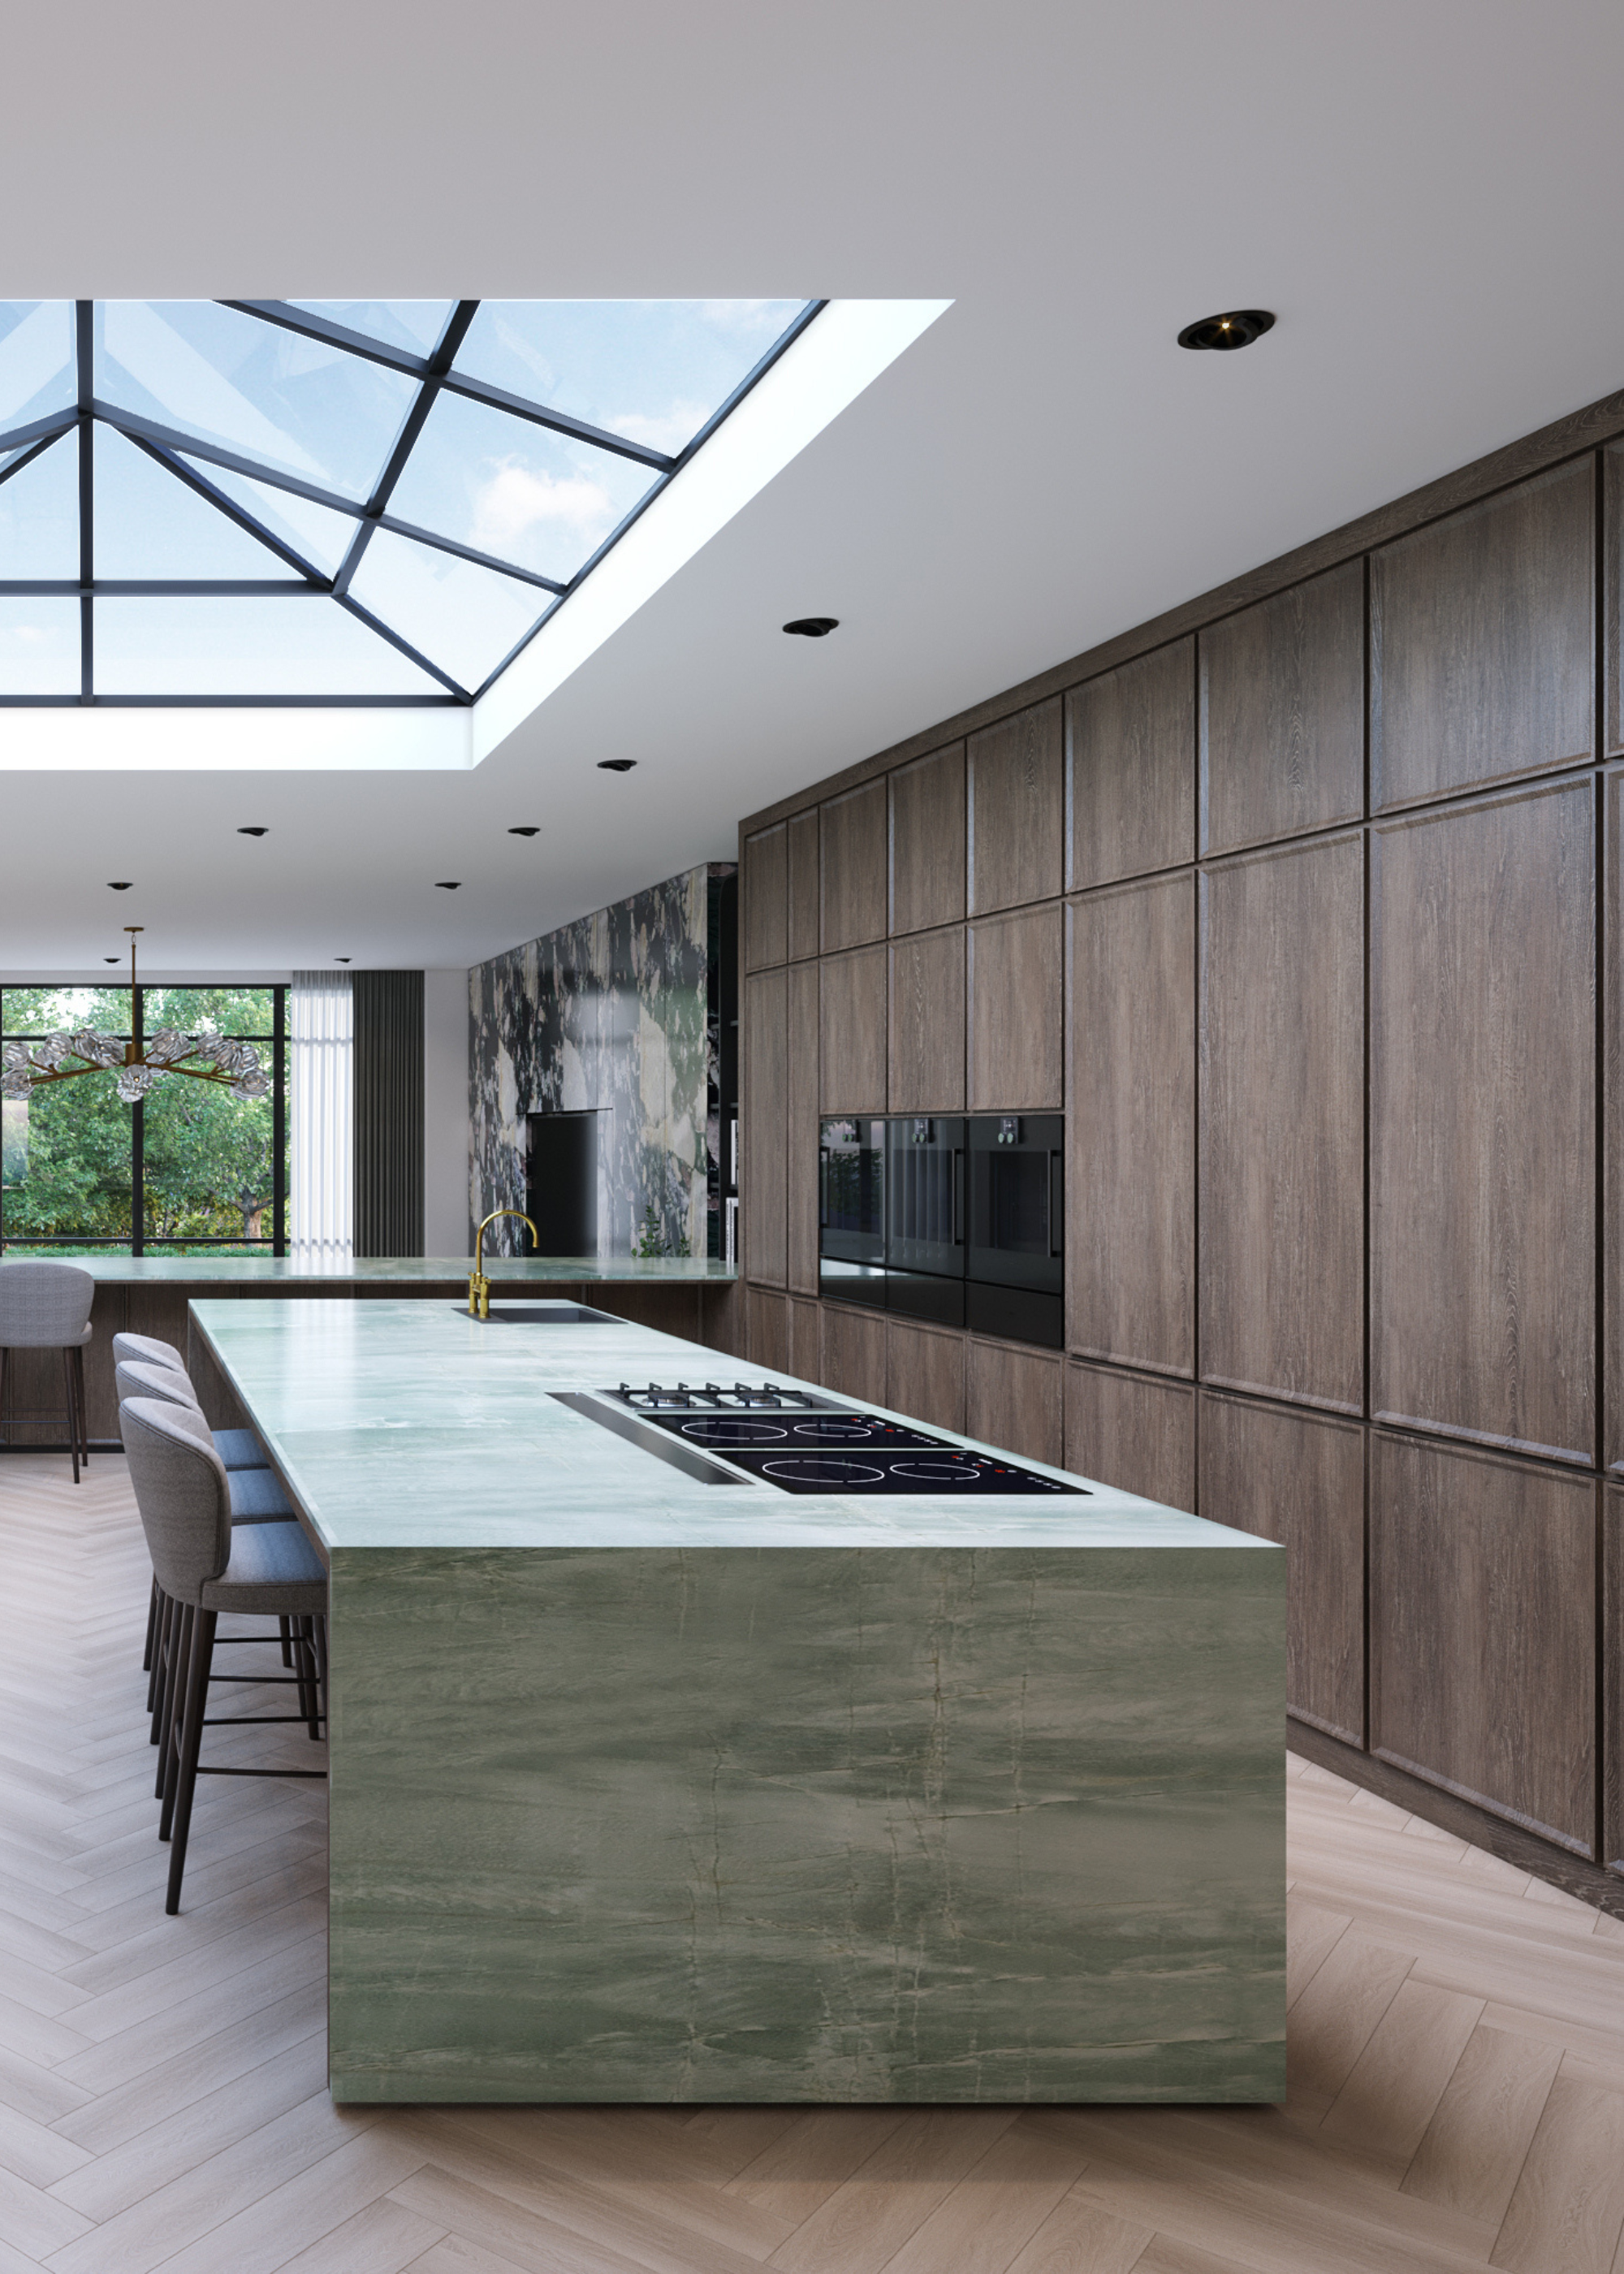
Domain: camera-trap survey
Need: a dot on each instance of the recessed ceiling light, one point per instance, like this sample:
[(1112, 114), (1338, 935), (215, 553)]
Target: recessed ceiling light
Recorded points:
[(340, 959), (615, 765), (1237, 329), (252, 832), (442, 885), (812, 627), (112, 959), (534, 831), (119, 888)]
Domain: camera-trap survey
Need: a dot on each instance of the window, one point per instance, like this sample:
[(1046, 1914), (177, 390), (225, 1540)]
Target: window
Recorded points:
[(192, 1168)]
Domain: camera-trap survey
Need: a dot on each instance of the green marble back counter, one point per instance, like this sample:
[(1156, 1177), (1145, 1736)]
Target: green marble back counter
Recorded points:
[(149, 1295), (646, 1790)]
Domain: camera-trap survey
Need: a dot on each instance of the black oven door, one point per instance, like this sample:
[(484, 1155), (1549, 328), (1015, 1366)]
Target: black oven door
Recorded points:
[(850, 1240), (925, 1241), (1017, 1226)]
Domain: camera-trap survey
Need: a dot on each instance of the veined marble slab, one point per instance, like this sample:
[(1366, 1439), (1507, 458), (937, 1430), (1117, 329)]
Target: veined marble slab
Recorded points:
[(402, 1270), (646, 1790)]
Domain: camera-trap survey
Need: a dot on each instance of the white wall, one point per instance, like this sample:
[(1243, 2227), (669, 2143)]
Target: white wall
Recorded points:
[(446, 1230)]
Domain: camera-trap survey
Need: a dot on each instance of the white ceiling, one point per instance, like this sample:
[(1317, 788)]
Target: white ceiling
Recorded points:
[(1424, 192)]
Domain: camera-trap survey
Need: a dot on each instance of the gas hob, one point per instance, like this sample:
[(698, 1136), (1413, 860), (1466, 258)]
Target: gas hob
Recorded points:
[(800, 1442)]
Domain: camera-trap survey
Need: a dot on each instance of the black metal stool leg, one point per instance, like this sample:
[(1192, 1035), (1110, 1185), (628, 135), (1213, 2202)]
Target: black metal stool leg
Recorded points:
[(67, 1383), (84, 1406), (202, 1651), (173, 1727), (152, 1629)]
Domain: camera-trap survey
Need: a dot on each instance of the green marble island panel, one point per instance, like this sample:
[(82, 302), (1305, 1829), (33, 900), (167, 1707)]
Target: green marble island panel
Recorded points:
[(646, 1790)]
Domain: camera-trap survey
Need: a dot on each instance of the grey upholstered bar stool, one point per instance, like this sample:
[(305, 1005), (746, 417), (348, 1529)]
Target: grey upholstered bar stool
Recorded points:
[(238, 1448), (47, 1307), (205, 1564)]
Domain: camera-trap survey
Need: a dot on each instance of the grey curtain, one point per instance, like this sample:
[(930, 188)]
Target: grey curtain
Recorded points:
[(388, 1113)]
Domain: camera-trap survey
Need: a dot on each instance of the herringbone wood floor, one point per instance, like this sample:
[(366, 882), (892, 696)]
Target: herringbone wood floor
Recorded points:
[(1457, 2042)]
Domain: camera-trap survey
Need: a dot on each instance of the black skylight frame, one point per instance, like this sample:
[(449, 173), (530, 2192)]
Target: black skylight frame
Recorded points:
[(163, 445)]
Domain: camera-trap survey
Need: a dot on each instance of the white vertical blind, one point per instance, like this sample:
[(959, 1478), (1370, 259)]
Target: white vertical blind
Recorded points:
[(321, 1030)]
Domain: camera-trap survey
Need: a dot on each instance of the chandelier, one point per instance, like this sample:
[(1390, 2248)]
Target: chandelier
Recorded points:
[(232, 1065)]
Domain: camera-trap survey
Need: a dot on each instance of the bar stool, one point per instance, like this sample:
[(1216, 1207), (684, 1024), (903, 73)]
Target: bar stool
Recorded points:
[(205, 1564), (238, 1448), (47, 1307)]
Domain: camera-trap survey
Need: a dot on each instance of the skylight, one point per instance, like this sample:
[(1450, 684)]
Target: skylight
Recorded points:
[(370, 503)]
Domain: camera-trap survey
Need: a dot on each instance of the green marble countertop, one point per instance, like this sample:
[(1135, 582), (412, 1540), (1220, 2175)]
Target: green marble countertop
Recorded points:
[(409, 1424), (404, 1270)]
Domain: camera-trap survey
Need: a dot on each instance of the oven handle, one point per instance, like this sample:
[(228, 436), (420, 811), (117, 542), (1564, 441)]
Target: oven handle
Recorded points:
[(1057, 1203), (958, 1209)]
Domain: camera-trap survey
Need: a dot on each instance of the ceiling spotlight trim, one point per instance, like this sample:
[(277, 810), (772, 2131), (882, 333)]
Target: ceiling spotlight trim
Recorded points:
[(1231, 329), (812, 627), (615, 765)]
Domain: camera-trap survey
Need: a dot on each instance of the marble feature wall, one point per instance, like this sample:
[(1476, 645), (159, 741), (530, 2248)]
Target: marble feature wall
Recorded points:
[(608, 1013)]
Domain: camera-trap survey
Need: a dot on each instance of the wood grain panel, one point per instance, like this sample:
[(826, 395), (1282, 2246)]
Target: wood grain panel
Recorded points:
[(1483, 1056), (1612, 1676), (769, 1332), (1016, 795), (1130, 750), (855, 1353), (1282, 714), (1483, 1630), (1613, 1107), (1282, 1276), (765, 1082), (1299, 1479), (928, 1022), (765, 888), (928, 857), (1013, 1401), (925, 1373), (1131, 1130), (853, 866), (1483, 642), (805, 885), (852, 1028), (804, 1335), (800, 1160), (1132, 1431), (1016, 1054)]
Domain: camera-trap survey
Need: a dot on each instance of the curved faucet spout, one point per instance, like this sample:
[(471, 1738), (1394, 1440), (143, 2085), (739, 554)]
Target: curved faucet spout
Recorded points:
[(478, 1286)]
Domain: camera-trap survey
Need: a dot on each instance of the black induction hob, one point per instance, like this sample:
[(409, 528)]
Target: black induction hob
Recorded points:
[(804, 1444)]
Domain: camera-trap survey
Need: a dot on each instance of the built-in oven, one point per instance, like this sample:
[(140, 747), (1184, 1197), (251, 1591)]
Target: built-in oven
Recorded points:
[(1016, 1245), (850, 1161), (925, 1217)]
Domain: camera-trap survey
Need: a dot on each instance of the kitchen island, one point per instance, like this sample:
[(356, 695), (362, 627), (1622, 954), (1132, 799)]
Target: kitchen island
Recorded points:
[(646, 1790)]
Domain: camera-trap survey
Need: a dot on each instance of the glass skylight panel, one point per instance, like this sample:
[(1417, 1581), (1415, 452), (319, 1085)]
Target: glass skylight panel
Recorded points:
[(39, 517), (466, 618), (39, 646), (652, 370), (254, 389), (148, 524), (315, 532), (517, 491), (36, 360), (296, 645), (414, 325)]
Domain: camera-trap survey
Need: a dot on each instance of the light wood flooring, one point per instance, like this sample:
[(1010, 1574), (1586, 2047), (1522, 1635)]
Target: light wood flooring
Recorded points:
[(1456, 2040)]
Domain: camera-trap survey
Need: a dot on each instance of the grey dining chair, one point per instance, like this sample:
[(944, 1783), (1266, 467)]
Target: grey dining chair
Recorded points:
[(205, 1564), (47, 1307)]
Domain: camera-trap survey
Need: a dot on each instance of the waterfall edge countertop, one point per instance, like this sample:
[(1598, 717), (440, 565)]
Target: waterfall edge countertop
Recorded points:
[(646, 1790)]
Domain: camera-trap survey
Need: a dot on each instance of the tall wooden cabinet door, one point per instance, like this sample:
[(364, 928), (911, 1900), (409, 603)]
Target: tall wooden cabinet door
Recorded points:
[(1612, 1125), (1613, 554), (928, 1022), (1483, 1631), (1612, 1676), (927, 842), (805, 1338), (855, 1353), (805, 881), (925, 1373), (1483, 1113), (1282, 1124), (1483, 642), (1298, 1479), (1131, 749), (853, 1027), (800, 1164), (1131, 1126), (1017, 791), (1017, 1053), (765, 1084), (1282, 714), (1132, 1431), (854, 866), (1013, 1401), (769, 1332), (765, 888)]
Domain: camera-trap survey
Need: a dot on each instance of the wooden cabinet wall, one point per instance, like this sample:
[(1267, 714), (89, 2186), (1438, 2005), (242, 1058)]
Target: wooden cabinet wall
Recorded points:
[(1309, 917)]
